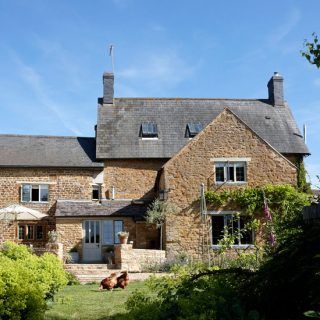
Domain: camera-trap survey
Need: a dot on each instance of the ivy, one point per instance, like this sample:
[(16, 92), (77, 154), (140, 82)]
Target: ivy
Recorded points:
[(302, 183), (284, 201)]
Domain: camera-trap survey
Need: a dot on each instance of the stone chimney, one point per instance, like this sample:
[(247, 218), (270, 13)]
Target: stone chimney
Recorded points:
[(108, 88), (275, 89)]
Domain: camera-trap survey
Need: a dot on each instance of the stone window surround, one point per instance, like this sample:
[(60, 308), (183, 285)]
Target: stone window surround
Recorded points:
[(235, 246), (232, 160)]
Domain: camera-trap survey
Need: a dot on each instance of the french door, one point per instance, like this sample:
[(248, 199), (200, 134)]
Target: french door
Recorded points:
[(92, 241)]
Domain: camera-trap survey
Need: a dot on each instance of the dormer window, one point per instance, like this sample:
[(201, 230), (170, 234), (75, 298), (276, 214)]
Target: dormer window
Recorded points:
[(148, 130), (193, 129)]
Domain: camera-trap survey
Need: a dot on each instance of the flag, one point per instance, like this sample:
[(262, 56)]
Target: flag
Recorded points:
[(110, 49)]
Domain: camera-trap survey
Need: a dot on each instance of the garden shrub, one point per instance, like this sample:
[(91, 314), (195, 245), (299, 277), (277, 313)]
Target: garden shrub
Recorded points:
[(26, 281)]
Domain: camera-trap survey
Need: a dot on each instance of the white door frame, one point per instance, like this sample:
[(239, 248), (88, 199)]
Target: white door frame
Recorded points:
[(91, 235)]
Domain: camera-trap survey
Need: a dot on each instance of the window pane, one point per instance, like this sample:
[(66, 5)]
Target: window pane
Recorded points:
[(95, 192), (26, 192), (149, 129), (118, 226), (44, 192), (91, 231), (30, 230), (108, 232), (219, 174), (97, 231), (246, 235), (39, 232), (240, 173), (217, 228), (230, 172), (87, 231), (34, 193), (21, 232)]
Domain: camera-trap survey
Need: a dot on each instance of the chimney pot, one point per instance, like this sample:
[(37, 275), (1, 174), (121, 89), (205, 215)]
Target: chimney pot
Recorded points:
[(108, 88), (275, 89)]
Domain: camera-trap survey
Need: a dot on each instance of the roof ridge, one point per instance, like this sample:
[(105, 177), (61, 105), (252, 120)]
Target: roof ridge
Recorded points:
[(196, 99), (42, 136)]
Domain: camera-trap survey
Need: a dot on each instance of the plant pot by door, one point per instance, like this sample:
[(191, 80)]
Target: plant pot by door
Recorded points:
[(123, 240), (74, 257)]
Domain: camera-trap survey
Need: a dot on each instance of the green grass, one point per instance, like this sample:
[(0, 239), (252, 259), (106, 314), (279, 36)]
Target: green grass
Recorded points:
[(88, 302)]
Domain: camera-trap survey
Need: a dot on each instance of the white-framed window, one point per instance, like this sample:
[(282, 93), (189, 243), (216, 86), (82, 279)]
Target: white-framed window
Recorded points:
[(148, 131), (34, 193), (235, 226), (230, 172), (110, 231)]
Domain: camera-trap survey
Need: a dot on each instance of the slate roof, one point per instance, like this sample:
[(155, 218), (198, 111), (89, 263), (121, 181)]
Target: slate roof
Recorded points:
[(47, 151), (108, 208), (119, 124)]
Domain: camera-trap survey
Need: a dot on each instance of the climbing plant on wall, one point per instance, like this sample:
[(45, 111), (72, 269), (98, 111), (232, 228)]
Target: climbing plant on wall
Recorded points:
[(284, 201)]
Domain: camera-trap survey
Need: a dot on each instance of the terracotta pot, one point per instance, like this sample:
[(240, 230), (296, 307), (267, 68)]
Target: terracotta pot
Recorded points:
[(123, 240)]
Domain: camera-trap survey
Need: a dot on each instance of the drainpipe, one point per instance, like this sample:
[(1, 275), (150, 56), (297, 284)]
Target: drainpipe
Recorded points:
[(113, 192), (100, 192)]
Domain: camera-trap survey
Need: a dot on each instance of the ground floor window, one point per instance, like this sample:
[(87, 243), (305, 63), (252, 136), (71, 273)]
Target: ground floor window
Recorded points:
[(110, 231), (30, 232), (233, 224), (102, 231)]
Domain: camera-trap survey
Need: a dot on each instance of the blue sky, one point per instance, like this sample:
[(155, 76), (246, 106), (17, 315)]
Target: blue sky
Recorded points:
[(53, 54)]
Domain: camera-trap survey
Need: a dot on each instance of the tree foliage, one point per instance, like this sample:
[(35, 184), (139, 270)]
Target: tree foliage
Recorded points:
[(312, 50)]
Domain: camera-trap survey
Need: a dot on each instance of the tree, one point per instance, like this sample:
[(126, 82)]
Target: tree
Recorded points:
[(312, 50), (157, 213)]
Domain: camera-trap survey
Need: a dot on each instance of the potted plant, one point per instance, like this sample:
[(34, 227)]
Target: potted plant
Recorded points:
[(53, 236), (123, 237), (74, 255)]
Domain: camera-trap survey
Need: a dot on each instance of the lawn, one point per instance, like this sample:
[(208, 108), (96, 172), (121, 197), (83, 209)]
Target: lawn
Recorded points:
[(88, 302)]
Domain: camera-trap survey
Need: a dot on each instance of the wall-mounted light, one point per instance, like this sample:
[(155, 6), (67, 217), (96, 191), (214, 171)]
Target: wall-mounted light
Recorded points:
[(163, 194)]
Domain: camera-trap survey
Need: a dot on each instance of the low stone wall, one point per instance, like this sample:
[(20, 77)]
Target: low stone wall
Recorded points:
[(54, 248), (137, 260)]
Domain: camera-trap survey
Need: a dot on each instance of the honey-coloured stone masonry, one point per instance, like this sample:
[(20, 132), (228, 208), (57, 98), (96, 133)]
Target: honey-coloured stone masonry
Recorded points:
[(226, 137)]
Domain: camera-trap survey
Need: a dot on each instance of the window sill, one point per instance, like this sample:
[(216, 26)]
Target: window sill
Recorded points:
[(236, 246), (151, 138), (35, 202), (231, 183)]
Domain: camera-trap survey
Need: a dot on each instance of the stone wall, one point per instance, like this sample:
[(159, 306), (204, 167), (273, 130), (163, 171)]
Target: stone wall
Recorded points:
[(225, 137), (137, 260), (75, 184), (131, 178)]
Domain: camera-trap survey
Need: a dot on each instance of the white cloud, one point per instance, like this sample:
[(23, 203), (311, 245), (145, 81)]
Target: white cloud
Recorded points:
[(37, 85), (285, 28), (162, 70)]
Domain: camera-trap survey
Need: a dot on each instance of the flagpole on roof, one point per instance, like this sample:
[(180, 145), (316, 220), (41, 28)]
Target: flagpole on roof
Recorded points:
[(111, 49)]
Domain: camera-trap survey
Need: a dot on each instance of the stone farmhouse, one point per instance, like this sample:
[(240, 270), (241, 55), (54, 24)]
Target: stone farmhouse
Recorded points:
[(146, 148)]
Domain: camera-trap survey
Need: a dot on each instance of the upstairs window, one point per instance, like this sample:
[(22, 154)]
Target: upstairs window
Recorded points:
[(148, 130), (230, 172), (34, 193), (193, 129), (232, 225), (95, 192)]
